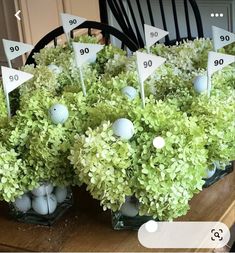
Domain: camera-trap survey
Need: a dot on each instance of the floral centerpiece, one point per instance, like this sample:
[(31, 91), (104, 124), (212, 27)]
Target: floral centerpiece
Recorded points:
[(140, 163), (132, 176)]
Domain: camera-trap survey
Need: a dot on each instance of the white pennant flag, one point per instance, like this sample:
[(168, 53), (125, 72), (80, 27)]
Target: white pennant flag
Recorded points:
[(14, 49), (84, 52), (69, 22), (147, 64), (13, 78), (153, 34), (221, 37), (217, 61)]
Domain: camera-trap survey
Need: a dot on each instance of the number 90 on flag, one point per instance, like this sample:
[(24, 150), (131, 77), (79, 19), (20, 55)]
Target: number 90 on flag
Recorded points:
[(148, 63), (217, 61)]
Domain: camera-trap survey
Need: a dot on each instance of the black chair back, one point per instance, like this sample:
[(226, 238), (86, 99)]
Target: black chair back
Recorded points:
[(131, 15), (106, 30)]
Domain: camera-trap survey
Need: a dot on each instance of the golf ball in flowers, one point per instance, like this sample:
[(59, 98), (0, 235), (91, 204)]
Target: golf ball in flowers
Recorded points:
[(23, 203), (55, 69), (158, 142), (200, 83), (130, 92), (43, 189), (58, 113), (123, 128)]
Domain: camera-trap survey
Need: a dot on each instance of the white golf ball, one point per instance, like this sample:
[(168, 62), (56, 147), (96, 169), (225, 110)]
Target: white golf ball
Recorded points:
[(130, 92), (52, 203), (44, 204), (123, 128), (54, 68), (23, 203), (158, 142), (92, 59), (40, 205), (61, 194), (129, 208), (58, 113), (200, 83), (43, 189), (210, 173)]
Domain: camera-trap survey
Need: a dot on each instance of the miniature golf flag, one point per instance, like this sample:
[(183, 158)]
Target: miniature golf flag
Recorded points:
[(69, 22), (153, 34), (221, 37), (146, 65), (217, 61), (14, 49), (12, 78), (85, 51)]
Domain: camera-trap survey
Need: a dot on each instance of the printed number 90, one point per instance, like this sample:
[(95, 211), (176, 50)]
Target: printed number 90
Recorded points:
[(14, 78), (219, 62), (223, 38), (84, 51), (72, 21), (148, 64), (153, 34), (16, 48)]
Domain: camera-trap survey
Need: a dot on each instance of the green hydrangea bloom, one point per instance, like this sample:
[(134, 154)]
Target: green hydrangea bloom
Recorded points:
[(148, 173), (11, 169), (103, 163)]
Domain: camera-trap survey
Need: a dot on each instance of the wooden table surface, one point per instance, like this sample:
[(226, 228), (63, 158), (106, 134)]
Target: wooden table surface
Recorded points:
[(87, 228)]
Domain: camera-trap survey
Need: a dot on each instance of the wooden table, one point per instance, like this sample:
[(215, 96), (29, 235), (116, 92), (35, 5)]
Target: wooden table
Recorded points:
[(87, 228)]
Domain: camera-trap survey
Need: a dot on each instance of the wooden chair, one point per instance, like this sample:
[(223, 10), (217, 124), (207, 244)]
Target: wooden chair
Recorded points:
[(131, 15), (105, 29)]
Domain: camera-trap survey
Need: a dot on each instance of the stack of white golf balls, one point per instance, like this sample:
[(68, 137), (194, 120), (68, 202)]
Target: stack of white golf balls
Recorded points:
[(43, 200)]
